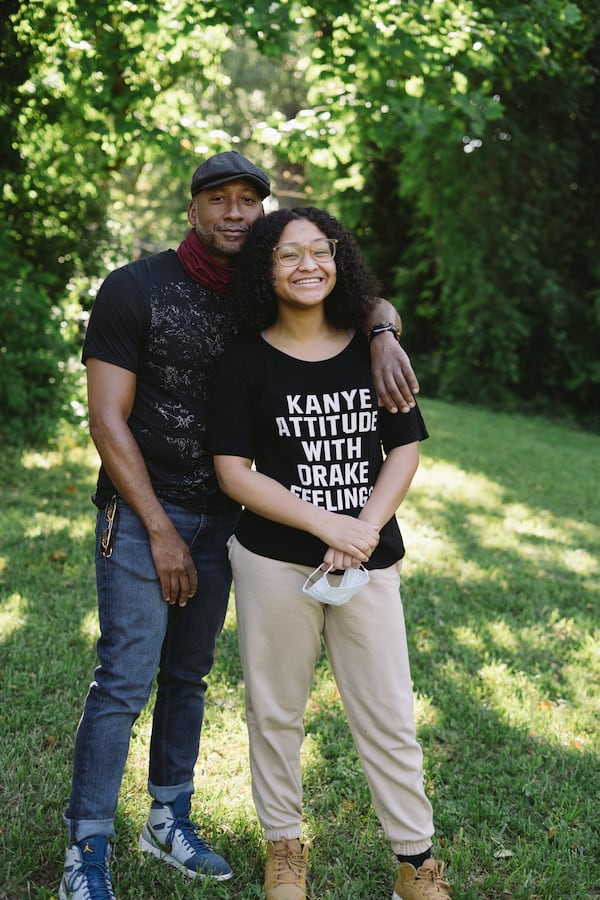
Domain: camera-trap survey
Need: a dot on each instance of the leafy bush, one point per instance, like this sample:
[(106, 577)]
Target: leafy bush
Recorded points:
[(36, 380)]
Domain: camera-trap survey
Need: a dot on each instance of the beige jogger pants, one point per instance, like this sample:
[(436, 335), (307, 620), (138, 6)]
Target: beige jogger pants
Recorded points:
[(279, 631)]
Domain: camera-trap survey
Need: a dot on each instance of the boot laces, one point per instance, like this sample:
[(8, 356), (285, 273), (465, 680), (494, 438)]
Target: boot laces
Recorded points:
[(438, 888), (290, 864)]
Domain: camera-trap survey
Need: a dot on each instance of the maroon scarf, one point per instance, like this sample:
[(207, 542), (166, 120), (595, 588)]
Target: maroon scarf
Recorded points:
[(201, 265)]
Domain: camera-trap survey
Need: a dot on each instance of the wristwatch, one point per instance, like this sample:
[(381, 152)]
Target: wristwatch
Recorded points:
[(384, 326)]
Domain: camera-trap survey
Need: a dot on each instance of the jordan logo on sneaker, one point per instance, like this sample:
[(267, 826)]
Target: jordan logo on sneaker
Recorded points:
[(87, 848)]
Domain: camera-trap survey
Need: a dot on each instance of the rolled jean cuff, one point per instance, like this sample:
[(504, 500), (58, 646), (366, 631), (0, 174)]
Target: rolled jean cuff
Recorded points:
[(83, 828), (170, 792)]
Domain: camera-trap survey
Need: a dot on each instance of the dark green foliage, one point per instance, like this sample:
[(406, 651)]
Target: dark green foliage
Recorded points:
[(36, 382), (477, 141), (510, 299), (459, 140)]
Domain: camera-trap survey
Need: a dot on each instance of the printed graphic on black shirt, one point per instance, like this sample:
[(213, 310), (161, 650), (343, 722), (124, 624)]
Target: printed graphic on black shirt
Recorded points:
[(153, 320), (315, 428), (329, 428)]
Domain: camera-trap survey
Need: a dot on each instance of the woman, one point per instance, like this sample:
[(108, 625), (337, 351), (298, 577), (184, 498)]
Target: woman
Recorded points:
[(297, 438)]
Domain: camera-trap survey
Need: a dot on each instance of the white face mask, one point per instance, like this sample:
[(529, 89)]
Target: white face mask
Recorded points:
[(352, 580)]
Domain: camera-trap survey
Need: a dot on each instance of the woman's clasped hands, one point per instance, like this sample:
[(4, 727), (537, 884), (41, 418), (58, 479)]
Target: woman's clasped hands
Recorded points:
[(350, 541)]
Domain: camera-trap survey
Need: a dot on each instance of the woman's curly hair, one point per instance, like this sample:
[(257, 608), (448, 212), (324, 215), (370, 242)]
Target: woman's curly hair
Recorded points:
[(251, 289)]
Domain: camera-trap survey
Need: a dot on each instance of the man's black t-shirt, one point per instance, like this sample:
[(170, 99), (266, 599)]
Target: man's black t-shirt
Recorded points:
[(151, 318), (314, 427)]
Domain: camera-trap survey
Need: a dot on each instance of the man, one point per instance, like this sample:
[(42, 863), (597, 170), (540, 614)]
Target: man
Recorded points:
[(156, 330)]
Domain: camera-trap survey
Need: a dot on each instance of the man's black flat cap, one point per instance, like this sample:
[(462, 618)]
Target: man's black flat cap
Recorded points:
[(229, 166)]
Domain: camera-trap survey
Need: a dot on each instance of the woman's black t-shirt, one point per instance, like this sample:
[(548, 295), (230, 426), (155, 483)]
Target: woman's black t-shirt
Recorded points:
[(314, 427)]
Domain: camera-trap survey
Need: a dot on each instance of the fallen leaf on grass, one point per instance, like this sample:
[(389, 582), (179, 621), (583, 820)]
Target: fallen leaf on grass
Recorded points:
[(58, 556)]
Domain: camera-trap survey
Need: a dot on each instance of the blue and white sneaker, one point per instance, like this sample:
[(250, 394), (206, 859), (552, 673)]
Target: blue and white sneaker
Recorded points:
[(170, 835), (86, 875)]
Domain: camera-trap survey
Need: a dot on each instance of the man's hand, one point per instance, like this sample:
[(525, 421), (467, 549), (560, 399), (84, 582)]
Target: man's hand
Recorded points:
[(174, 566), (393, 376), (111, 394)]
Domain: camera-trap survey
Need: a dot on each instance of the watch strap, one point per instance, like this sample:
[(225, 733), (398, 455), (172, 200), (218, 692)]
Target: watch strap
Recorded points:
[(380, 327)]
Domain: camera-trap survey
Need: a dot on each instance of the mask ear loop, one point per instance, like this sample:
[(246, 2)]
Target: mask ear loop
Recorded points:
[(317, 571)]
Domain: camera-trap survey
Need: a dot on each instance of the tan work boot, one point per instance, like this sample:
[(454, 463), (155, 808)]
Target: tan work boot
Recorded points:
[(424, 883), (285, 872)]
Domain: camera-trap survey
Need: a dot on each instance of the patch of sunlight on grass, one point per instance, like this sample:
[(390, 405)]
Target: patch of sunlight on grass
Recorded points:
[(425, 711), (522, 520), (534, 535), (468, 637), (12, 615), (45, 523), (541, 523), (475, 639), (517, 700), (436, 487), (544, 551), (225, 762), (586, 691), (430, 549), (551, 534), (311, 752), (426, 543), (581, 562), (502, 635), (452, 484), (215, 756), (89, 628)]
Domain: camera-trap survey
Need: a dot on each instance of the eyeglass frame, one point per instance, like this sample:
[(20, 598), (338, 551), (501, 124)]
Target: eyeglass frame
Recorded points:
[(332, 242)]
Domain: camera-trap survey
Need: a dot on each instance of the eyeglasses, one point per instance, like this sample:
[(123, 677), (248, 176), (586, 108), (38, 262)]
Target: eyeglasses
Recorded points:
[(321, 250)]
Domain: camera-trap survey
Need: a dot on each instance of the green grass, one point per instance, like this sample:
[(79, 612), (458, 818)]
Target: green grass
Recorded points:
[(501, 588)]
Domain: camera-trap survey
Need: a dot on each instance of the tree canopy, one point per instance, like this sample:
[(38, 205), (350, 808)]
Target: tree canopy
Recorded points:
[(459, 140)]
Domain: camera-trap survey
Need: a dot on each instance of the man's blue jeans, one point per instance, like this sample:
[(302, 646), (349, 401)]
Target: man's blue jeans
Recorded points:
[(140, 634)]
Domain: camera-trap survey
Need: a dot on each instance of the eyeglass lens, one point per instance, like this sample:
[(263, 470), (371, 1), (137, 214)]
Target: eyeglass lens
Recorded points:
[(321, 250)]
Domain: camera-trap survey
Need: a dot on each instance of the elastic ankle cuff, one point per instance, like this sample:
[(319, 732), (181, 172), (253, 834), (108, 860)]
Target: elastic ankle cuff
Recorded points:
[(283, 834), (408, 850)]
